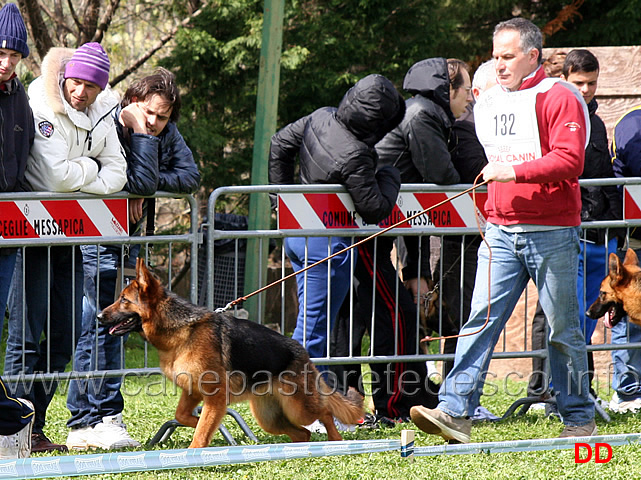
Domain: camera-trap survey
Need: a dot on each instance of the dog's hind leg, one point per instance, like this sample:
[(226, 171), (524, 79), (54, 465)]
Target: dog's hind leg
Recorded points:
[(270, 416)]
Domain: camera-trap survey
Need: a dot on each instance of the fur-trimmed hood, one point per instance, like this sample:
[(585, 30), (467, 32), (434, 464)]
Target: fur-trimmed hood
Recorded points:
[(47, 89)]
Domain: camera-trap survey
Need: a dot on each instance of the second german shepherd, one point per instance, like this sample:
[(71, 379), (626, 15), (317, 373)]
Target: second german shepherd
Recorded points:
[(620, 292), (218, 359)]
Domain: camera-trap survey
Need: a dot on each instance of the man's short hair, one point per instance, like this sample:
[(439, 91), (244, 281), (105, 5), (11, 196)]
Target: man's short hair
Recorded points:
[(162, 83), (530, 35), (483, 74), (580, 60)]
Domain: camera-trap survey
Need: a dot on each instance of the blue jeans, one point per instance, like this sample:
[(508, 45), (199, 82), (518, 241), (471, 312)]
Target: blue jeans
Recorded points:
[(550, 258), (311, 325), (53, 290), (593, 269), (7, 265), (90, 400), (626, 378)]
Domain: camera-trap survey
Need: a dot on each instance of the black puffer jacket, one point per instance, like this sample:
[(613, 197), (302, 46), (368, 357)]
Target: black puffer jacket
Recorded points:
[(336, 145), (162, 163), (599, 203), (18, 130), (419, 145)]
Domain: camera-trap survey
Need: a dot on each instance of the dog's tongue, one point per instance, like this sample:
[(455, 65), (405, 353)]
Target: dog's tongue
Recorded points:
[(607, 319)]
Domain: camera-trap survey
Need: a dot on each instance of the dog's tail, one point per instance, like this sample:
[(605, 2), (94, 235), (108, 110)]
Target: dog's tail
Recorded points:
[(347, 408)]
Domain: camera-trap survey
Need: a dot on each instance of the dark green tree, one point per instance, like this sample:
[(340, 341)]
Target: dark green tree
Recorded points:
[(328, 45)]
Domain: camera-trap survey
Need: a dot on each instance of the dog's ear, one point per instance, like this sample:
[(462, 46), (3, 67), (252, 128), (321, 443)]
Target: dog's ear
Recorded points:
[(631, 258), (616, 269), (144, 277)]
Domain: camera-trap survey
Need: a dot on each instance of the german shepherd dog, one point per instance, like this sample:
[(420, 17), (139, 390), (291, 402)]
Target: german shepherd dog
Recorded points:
[(620, 292), (218, 359)]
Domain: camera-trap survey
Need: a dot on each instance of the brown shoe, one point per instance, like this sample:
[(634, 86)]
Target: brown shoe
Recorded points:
[(586, 430), (436, 422), (40, 443)]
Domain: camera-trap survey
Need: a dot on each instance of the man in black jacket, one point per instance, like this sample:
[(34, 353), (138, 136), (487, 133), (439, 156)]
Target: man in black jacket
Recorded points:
[(336, 145), (16, 125), (17, 130), (157, 159), (418, 147)]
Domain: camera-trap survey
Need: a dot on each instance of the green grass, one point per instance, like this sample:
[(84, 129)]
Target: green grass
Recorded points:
[(149, 402)]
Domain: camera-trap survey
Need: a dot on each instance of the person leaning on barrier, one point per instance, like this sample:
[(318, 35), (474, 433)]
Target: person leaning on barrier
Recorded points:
[(440, 90), (534, 131), (17, 128), (157, 159), (469, 158), (419, 148), (336, 145), (581, 68), (625, 151), (75, 149)]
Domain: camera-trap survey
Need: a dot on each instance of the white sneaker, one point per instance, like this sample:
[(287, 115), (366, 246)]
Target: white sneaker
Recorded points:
[(318, 427), (111, 434), (17, 445), (622, 406), (78, 438)]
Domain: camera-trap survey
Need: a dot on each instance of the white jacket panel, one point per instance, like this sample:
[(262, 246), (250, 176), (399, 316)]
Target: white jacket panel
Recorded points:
[(66, 140)]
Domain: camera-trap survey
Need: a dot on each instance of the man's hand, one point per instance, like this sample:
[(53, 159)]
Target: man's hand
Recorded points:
[(135, 209), (132, 117), (418, 286), (498, 172)]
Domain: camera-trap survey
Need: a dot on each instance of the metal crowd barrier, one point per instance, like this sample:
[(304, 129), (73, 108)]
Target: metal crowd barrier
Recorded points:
[(42, 219), (422, 228), (214, 245)]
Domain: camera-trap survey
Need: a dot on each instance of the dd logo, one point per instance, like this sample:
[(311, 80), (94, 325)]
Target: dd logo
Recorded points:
[(597, 455)]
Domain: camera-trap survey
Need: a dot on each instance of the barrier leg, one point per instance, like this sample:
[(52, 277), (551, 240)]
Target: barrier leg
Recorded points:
[(170, 426)]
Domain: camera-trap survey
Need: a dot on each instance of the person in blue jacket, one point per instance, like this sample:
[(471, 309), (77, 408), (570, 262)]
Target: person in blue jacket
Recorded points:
[(157, 159), (626, 378)]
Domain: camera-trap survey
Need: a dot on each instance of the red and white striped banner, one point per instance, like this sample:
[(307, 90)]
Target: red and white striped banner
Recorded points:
[(315, 211), (64, 218), (632, 202)]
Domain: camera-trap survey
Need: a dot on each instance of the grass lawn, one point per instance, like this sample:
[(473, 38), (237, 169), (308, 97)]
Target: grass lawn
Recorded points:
[(149, 402)]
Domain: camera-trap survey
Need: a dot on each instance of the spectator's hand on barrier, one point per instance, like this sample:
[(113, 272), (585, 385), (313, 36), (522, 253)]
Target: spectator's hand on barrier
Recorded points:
[(418, 286), (135, 209), (132, 117), (498, 172)]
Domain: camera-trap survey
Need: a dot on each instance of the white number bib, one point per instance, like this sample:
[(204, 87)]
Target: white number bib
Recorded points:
[(506, 123)]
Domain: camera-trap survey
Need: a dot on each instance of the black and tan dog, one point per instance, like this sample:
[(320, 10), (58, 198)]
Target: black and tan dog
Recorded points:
[(620, 291), (218, 359)]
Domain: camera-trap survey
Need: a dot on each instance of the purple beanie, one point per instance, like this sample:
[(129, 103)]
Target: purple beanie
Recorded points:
[(13, 33), (91, 63)]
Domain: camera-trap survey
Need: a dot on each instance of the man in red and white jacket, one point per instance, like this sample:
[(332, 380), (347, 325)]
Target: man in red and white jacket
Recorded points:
[(534, 132)]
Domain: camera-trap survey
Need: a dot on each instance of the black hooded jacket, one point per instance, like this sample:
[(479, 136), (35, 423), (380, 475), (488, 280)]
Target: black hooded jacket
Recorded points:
[(18, 129), (336, 145), (419, 145)]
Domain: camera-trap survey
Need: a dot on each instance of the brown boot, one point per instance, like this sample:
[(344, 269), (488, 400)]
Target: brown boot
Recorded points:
[(40, 443)]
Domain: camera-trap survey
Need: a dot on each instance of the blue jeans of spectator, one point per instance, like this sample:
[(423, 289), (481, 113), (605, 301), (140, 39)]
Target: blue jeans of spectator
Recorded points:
[(90, 400), (626, 378), (312, 324), (593, 266), (7, 265), (550, 259), (53, 284)]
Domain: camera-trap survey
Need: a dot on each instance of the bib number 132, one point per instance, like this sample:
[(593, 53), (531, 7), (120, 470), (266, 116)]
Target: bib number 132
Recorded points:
[(504, 124)]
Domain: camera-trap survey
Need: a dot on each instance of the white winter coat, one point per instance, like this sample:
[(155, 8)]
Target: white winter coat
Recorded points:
[(66, 140)]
